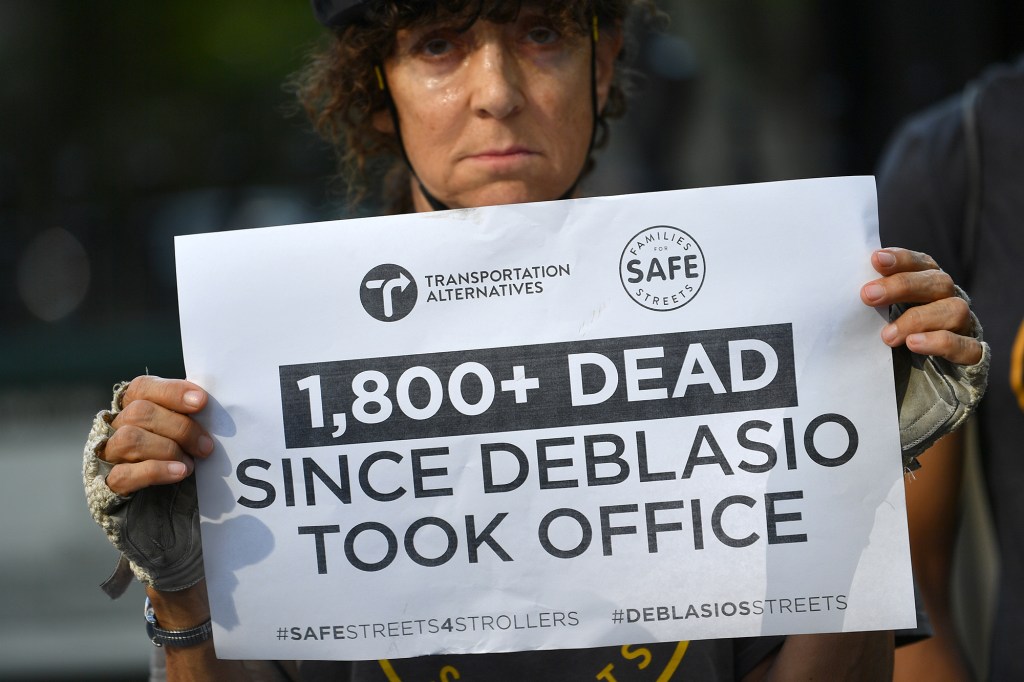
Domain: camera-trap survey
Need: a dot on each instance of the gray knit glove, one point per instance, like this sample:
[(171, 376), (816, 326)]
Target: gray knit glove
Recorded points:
[(156, 529), (935, 396)]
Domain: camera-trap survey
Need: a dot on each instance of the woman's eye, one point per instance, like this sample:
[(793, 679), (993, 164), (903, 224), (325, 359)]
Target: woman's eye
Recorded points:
[(542, 35), (437, 47)]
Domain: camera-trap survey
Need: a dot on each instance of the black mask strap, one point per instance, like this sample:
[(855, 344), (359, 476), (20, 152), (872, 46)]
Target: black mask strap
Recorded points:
[(438, 205), (595, 112), (382, 83)]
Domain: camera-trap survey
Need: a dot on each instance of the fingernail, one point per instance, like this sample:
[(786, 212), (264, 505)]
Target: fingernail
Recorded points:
[(886, 259), (874, 292), (205, 445), (889, 333), (915, 339), (176, 468), (193, 398)]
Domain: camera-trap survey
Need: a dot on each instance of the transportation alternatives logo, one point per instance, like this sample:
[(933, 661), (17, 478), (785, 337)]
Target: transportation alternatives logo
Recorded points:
[(388, 292), (662, 268)]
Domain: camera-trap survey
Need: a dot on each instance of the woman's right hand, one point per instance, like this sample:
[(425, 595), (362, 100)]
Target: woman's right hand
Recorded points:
[(155, 439), (136, 469)]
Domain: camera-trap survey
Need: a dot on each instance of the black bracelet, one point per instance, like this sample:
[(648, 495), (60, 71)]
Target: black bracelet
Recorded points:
[(178, 638)]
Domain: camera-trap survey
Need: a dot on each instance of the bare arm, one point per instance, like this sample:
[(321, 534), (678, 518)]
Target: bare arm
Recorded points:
[(932, 497), (183, 610)]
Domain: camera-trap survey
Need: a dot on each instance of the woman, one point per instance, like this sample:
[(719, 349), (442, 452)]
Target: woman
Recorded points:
[(479, 103)]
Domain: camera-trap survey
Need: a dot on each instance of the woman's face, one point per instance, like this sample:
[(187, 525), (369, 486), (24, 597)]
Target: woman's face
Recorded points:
[(498, 113)]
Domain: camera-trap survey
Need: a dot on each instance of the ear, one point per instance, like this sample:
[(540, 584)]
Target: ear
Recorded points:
[(609, 46), (382, 123)]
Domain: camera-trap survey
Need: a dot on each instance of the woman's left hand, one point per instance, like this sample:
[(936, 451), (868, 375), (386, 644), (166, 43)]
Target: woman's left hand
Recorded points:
[(939, 324)]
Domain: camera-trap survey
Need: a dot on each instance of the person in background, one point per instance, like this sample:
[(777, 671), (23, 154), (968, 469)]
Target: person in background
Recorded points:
[(479, 103), (952, 183)]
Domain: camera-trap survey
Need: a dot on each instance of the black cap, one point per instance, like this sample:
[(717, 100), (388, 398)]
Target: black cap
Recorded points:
[(337, 13)]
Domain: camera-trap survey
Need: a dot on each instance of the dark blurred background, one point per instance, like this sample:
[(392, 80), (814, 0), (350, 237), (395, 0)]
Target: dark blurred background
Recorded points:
[(123, 124)]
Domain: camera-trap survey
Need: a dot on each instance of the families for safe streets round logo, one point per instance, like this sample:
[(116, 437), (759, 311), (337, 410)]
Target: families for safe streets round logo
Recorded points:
[(388, 292), (662, 268)]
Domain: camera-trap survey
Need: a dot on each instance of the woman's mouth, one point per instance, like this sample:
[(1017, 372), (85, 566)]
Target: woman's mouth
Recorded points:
[(503, 155)]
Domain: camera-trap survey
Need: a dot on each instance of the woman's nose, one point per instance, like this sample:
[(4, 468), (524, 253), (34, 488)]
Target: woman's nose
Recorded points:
[(497, 91)]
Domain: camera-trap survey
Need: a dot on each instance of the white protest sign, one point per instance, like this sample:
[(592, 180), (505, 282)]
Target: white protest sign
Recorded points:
[(582, 423)]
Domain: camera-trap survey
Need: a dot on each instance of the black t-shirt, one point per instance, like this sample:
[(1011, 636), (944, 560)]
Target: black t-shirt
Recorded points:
[(924, 199), (718, 660), (708, 661)]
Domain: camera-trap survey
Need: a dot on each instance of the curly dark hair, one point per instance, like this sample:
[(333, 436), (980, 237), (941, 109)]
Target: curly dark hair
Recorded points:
[(339, 91)]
